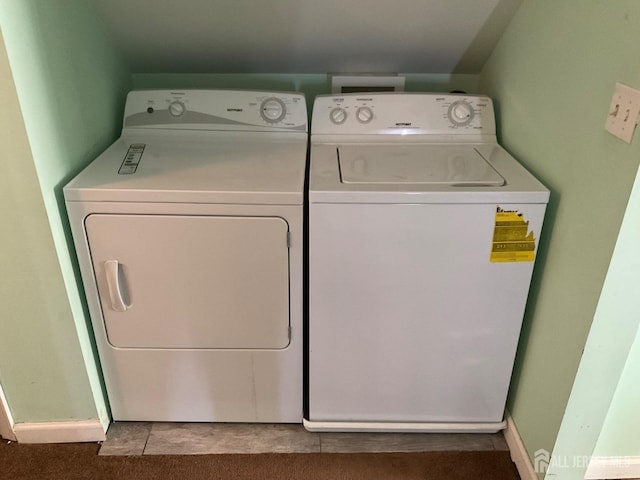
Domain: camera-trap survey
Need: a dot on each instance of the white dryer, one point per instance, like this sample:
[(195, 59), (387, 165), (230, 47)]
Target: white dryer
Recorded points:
[(188, 231), (422, 237)]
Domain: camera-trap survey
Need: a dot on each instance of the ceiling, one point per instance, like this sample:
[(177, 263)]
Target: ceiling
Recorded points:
[(306, 36)]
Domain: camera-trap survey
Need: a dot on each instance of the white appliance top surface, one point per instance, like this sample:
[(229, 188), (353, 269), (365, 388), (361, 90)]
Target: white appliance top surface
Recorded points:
[(202, 146), (196, 167), (456, 165)]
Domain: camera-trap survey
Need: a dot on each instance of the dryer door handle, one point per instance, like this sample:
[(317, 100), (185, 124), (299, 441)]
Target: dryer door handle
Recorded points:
[(112, 269)]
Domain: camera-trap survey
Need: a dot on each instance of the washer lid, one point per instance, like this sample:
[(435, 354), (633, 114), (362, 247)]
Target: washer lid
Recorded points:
[(454, 165)]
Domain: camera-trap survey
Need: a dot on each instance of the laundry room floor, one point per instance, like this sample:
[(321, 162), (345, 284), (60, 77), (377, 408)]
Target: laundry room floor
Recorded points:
[(149, 438)]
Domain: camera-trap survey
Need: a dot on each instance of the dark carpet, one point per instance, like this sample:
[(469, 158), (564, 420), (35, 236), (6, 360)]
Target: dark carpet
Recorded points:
[(81, 461)]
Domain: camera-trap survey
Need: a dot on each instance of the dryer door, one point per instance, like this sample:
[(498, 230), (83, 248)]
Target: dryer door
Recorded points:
[(192, 281)]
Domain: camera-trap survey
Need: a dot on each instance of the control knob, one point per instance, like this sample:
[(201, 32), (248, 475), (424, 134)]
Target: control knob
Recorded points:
[(460, 113), (273, 110), (338, 115), (364, 114), (177, 109)]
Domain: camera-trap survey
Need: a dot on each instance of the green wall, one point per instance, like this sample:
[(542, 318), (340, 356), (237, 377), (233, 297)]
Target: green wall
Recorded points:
[(70, 83), (31, 287), (619, 433), (552, 75), (601, 417)]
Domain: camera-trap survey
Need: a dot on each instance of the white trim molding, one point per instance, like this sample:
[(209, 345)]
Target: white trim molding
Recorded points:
[(6, 420), (60, 432), (613, 467), (519, 453)]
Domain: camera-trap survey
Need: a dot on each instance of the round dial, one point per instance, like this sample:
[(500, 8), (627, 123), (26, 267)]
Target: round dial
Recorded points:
[(364, 114), (338, 115), (273, 110), (460, 113), (177, 109)]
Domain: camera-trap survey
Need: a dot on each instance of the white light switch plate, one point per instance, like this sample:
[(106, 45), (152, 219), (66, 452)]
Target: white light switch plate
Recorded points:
[(623, 112)]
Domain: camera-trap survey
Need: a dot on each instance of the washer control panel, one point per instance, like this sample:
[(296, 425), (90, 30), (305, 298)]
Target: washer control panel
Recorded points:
[(233, 110), (403, 113)]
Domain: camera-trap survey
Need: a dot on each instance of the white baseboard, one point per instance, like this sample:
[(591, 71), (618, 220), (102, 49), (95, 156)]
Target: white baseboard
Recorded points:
[(6, 420), (518, 451), (613, 467), (60, 432)]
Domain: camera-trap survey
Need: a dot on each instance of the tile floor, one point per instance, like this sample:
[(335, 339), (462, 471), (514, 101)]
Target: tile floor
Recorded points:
[(147, 438)]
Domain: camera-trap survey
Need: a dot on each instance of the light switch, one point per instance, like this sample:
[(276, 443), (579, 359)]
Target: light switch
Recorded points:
[(623, 112)]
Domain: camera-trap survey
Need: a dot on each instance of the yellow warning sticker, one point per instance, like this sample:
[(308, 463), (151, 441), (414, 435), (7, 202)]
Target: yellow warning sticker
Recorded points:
[(512, 240)]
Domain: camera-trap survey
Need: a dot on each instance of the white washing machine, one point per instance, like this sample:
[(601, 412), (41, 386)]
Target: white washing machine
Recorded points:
[(188, 231), (422, 238)]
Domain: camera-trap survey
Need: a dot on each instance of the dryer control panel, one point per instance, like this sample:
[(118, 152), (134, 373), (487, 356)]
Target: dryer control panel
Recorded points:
[(403, 113), (231, 110)]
